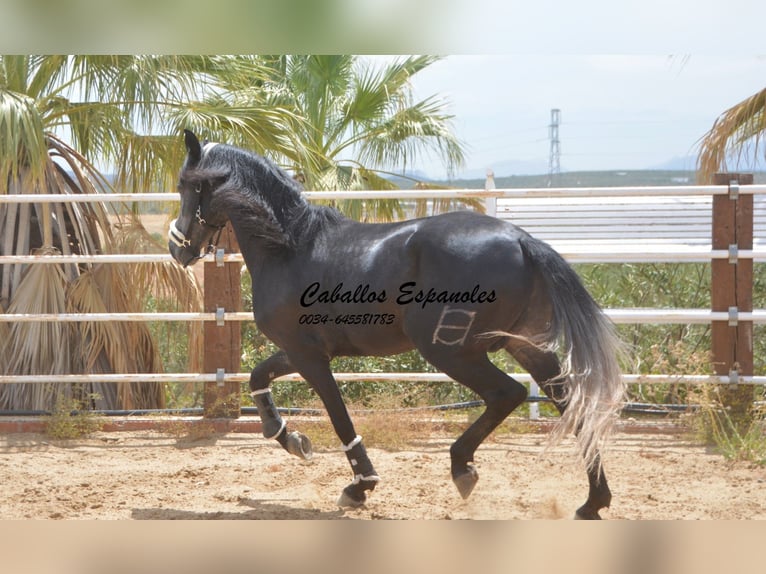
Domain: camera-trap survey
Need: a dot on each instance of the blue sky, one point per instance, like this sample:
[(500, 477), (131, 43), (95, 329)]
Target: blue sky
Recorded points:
[(632, 111), (625, 104)]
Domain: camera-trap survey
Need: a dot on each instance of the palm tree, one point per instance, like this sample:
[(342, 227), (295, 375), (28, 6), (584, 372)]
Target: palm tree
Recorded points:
[(59, 117), (736, 133), (359, 122), (62, 118)]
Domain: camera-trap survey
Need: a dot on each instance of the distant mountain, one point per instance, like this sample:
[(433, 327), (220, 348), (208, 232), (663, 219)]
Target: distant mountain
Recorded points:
[(584, 179), (507, 168), (685, 163)]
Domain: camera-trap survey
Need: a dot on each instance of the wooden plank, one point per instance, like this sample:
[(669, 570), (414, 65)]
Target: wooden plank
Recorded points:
[(616, 228), (608, 236), (744, 284), (583, 218), (674, 220), (575, 202), (223, 345), (664, 219), (622, 200), (731, 286), (722, 284)]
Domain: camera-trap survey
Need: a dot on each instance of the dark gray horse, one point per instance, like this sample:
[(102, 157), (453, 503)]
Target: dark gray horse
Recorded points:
[(455, 286)]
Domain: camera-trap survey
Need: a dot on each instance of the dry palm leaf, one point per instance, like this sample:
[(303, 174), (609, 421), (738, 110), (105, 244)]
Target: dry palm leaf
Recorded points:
[(736, 133), (38, 348)]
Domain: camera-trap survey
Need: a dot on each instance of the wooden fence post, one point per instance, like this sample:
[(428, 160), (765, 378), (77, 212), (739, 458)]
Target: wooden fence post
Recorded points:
[(222, 341), (732, 291)]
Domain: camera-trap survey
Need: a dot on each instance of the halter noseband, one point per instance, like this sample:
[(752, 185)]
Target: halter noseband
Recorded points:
[(177, 237)]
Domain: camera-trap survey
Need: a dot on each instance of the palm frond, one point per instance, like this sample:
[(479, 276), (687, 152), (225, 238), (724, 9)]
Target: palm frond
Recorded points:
[(338, 177), (259, 126), (123, 347), (22, 138), (410, 133), (736, 135), (378, 93), (171, 287), (38, 348)]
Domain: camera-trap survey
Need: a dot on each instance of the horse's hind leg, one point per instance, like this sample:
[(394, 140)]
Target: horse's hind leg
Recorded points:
[(545, 368), (500, 393), (272, 424)]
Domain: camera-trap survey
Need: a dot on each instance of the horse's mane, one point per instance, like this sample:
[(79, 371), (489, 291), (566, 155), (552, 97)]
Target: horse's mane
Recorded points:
[(260, 198)]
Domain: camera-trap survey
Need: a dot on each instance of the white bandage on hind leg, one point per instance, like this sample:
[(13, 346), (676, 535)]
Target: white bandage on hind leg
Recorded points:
[(273, 425), (352, 444), (276, 434)]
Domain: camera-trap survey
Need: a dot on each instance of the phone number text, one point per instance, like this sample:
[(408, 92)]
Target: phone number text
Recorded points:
[(361, 319)]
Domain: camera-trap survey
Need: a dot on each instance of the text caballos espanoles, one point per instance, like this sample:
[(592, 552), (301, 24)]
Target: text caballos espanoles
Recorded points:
[(408, 293)]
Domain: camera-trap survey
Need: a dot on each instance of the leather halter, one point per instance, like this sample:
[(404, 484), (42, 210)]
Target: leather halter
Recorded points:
[(177, 237)]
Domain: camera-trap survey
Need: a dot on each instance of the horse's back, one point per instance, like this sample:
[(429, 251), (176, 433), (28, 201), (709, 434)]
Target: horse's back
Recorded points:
[(471, 271), (466, 242)]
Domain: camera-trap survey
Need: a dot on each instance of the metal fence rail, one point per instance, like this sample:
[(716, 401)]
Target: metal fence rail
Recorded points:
[(600, 252)]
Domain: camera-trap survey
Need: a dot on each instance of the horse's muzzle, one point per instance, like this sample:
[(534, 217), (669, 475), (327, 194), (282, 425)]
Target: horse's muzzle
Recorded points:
[(180, 247), (183, 255)]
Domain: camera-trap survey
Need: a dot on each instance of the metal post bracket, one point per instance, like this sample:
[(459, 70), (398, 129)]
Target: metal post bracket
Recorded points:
[(733, 254), (733, 316), (219, 316), (219, 377), (734, 190)]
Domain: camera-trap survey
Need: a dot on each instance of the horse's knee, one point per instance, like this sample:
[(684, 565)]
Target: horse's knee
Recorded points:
[(261, 377), (266, 371)]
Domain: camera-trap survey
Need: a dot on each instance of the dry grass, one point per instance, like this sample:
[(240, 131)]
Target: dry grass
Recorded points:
[(382, 425), (387, 426), (69, 420), (191, 430), (736, 438)]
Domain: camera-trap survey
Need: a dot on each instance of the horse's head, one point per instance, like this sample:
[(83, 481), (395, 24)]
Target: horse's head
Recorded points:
[(196, 224)]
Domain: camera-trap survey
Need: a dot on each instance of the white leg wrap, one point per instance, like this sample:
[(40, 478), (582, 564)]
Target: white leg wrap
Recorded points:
[(268, 412), (359, 478), (352, 444), (276, 434)]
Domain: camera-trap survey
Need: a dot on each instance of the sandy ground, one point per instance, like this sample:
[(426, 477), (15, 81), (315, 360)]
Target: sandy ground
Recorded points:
[(151, 475)]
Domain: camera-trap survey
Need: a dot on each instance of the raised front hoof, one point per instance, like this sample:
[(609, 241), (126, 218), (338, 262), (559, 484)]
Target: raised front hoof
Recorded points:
[(299, 445), (584, 513), (466, 480), (355, 494)]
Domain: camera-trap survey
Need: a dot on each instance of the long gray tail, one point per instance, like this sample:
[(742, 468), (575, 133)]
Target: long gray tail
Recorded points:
[(589, 349)]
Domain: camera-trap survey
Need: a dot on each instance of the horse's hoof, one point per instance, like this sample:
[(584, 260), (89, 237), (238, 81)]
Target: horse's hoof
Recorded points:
[(351, 499), (299, 445), (355, 494), (466, 480), (583, 513)]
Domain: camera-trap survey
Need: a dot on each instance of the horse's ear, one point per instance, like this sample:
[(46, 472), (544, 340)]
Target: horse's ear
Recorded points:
[(193, 147)]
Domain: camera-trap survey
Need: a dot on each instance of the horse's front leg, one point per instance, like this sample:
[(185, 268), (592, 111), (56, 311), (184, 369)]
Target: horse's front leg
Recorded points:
[(318, 374), (272, 424)]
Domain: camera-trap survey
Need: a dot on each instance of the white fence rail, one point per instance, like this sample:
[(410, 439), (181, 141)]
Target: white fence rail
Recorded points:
[(534, 209), (618, 316)]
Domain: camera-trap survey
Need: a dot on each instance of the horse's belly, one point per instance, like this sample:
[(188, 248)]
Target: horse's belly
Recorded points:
[(366, 334)]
